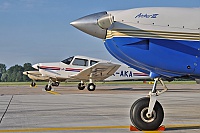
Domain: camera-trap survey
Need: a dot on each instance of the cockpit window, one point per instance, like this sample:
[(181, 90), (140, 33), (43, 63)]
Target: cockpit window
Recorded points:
[(80, 62), (92, 62), (68, 60)]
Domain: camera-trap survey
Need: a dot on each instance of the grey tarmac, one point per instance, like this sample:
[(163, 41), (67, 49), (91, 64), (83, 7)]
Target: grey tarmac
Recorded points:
[(67, 109)]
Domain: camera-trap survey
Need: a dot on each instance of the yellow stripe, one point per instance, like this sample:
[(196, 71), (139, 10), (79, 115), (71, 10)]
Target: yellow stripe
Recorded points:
[(63, 128), (168, 127), (53, 92), (152, 132), (154, 34)]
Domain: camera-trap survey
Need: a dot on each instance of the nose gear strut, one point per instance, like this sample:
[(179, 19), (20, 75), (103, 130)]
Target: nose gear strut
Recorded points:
[(153, 94)]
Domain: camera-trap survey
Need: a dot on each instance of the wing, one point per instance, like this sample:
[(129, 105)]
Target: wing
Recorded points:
[(97, 72), (35, 75), (32, 73)]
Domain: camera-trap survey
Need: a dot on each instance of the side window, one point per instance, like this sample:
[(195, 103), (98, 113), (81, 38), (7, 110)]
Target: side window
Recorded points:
[(80, 62), (92, 62)]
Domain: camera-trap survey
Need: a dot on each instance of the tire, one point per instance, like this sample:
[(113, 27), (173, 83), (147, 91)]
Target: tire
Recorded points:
[(48, 88), (33, 84), (55, 84), (138, 113), (81, 86), (91, 87)]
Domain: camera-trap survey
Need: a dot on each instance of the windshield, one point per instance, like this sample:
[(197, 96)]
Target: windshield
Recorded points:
[(92, 62), (68, 60), (80, 62)]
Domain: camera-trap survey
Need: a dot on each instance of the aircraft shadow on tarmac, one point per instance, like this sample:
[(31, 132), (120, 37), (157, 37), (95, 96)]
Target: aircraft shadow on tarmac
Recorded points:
[(129, 89), (182, 127), (148, 89), (123, 89)]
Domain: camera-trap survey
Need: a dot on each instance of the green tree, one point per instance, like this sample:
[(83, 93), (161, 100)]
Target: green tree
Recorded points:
[(2, 69), (4, 77), (27, 67), (15, 73)]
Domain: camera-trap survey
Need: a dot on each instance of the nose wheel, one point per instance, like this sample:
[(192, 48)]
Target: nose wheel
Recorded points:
[(147, 113), (140, 118), (48, 87)]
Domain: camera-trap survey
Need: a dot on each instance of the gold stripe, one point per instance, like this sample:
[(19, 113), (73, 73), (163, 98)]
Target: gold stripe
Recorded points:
[(158, 31), (154, 34)]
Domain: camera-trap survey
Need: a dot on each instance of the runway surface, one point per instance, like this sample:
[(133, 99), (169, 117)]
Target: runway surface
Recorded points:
[(66, 109)]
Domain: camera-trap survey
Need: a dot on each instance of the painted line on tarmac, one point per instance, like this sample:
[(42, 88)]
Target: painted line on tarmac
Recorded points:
[(168, 128), (53, 92), (64, 128), (152, 131)]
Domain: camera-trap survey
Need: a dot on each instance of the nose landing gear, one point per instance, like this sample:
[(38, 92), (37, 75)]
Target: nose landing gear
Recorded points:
[(147, 113)]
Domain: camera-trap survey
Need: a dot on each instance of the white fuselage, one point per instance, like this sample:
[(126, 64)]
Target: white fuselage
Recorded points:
[(63, 71)]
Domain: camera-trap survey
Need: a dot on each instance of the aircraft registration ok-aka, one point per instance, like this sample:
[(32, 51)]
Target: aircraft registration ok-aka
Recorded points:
[(161, 41), (82, 68)]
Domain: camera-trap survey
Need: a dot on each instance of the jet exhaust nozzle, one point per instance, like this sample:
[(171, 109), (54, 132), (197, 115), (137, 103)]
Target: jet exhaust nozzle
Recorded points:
[(94, 24)]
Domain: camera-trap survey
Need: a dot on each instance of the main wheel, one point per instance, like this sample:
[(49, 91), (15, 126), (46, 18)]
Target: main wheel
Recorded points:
[(91, 87), (48, 88), (55, 84), (138, 115), (81, 86)]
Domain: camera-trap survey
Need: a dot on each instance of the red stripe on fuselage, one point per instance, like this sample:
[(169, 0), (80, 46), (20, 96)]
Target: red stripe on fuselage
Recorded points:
[(72, 69), (140, 74), (49, 68)]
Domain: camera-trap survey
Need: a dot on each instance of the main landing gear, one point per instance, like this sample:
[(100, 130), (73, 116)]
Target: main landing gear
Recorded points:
[(91, 86), (81, 85), (147, 113)]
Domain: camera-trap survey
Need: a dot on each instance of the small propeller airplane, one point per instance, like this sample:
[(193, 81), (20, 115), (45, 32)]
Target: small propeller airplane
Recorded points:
[(163, 42), (82, 68)]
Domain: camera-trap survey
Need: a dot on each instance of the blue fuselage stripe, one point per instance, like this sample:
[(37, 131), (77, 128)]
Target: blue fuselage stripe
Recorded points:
[(162, 56)]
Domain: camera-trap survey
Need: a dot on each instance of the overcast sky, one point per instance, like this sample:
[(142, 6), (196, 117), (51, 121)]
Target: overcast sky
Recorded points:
[(40, 31)]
